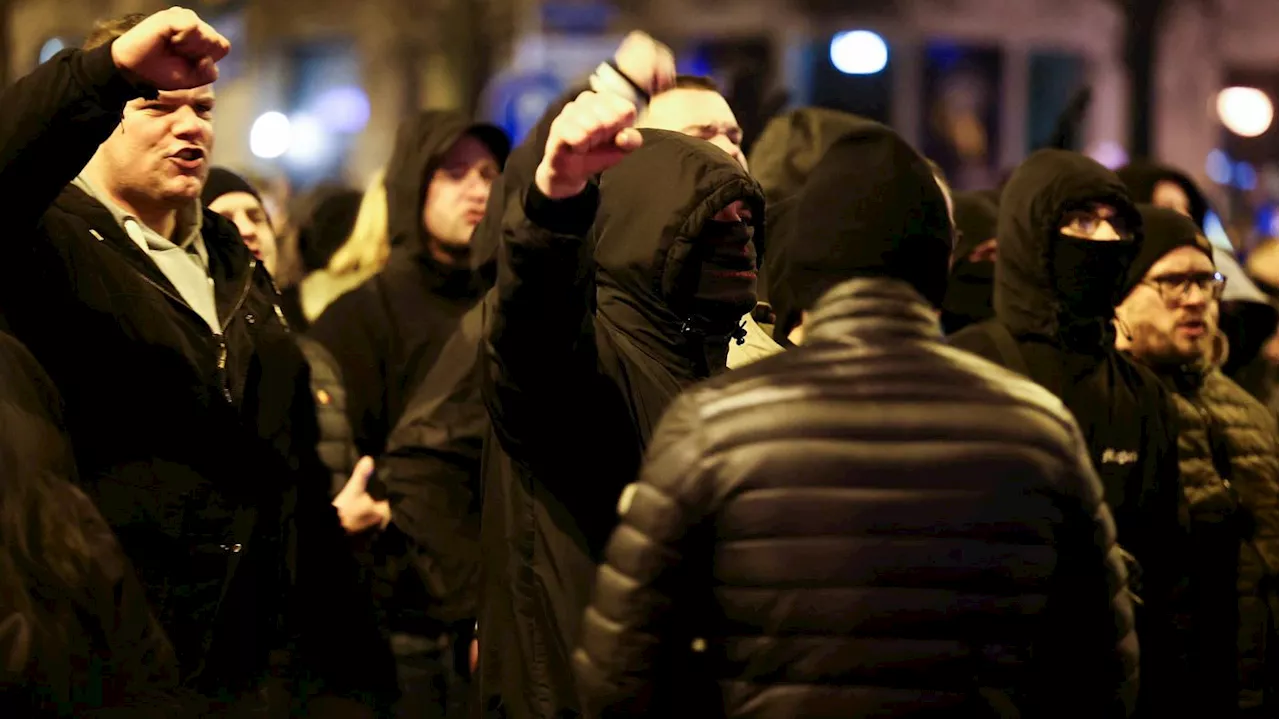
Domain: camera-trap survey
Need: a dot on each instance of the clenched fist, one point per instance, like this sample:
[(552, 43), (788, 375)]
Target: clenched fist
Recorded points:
[(171, 50), (647, 62), (591, 134)]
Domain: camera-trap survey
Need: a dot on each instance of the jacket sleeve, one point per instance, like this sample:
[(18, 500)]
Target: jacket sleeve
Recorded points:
[(1086, 658), (51, 123), (539, 348), (353, 330), (432, 468), (639, 632)]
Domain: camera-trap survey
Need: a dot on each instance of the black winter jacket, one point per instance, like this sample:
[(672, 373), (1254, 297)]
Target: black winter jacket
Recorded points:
[(198, 448), (1125, 413), (337, 446), (582, 355), (76, 637), (387, 332), (873, 524)]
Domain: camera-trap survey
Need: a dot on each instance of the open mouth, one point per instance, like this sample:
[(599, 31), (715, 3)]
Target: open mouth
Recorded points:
[(1195, 328), (189, 157)]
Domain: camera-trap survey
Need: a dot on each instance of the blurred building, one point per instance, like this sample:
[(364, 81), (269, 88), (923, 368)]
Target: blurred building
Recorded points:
[(976, 84)]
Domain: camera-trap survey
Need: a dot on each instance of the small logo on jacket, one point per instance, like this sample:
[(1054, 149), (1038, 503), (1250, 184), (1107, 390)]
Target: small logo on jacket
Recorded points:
[(1119, 456)]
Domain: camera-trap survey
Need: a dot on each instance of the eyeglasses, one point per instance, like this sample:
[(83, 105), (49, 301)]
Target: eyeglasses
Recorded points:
[(1173, 288)]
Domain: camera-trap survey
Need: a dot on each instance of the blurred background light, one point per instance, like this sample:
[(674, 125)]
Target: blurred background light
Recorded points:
[(1218, 167), (1246, 111), (1109, 154), (312, 145), (270, 135), (859, 52), (51, 47), (1245, 177), (344, 108), (1215, 232)]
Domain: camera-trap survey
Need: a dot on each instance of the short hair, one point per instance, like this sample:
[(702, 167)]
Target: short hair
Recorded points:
[(696, 82), (104, 31)]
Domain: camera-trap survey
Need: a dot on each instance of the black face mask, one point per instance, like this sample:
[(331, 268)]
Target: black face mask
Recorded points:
[(1087, 274), (723, 273)]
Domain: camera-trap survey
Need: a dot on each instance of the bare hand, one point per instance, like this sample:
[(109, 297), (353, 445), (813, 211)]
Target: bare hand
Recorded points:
[(647, 62), (171, 50), (474, 658), (591, 134), (357, 510)]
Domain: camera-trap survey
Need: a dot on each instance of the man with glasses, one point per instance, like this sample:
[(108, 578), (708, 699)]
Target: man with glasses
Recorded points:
[(1168, 321)]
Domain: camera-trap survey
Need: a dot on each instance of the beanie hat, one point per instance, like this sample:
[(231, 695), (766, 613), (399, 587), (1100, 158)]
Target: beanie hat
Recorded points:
[(222, 181), (870, 208), (1163, 231)]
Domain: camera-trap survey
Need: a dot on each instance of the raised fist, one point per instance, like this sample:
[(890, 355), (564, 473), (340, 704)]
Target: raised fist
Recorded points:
[(647, 62), (171, 50), (591, 134)]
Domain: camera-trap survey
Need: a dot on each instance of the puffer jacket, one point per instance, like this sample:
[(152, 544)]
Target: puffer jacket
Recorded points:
[(337, 446), (1228, 456), (872, 524)]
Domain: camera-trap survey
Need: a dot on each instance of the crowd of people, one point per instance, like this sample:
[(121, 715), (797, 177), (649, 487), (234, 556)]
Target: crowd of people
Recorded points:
[(618, 421)]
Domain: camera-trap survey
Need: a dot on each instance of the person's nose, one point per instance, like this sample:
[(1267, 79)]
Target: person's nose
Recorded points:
[(248, 229), (1196, 297), (189, 126), (724, 143)]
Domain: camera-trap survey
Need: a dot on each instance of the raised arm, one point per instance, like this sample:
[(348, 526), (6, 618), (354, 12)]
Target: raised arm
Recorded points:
[(52, 121), (539, 349)]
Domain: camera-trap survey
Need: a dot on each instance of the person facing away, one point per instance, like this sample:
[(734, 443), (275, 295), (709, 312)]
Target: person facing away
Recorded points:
[(1067, 234), (1228, 452), (76, 635), (610, 299), (186, 399), (388, 331), (872, 524)]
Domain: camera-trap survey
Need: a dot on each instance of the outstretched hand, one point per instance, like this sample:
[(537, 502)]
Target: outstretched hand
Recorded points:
[(647, 62), (171, 50), (591, 134)]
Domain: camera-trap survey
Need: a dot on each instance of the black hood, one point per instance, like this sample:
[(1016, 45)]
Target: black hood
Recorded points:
[(970, 285), (421, 143), (1141, 177), (654, 205), (870, 208), (1041, 190), (781, 159)]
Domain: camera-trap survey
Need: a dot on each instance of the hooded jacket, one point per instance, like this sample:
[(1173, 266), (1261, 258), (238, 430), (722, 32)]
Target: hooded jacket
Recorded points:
[(387, 333), (1125, 413), (970, 284), (878, 221), (788, 149), (585, 346), (872, 524), (1142, 176), (199, 448)]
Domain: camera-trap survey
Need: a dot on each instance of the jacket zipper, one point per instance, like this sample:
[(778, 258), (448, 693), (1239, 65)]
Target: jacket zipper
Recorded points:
[(224, 380), (223, 377)]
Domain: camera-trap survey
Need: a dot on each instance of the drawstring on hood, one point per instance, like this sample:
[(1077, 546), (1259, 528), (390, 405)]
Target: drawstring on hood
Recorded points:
[(669, 278), (1059, 288)]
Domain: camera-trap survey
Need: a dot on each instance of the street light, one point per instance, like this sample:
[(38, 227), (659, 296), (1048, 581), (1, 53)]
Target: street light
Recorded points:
[(1246, 111)]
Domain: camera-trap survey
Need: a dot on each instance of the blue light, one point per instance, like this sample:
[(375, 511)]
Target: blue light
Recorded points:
[(1215, 232), (859, 52), (1245, 176), (343, 109), (1218, 167), (1269, 221), (51, 47)]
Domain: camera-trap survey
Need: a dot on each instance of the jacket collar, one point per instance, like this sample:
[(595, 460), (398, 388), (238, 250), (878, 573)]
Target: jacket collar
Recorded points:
[(230, 264), (866, 307)]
